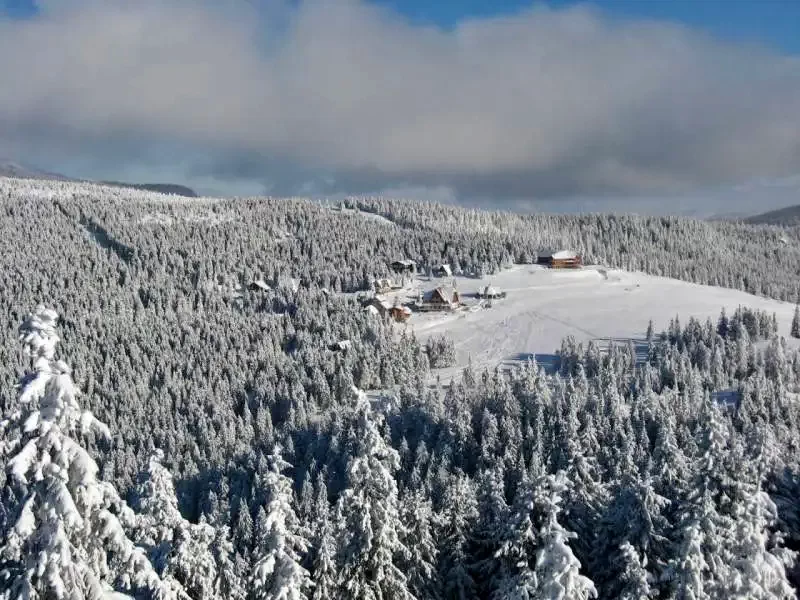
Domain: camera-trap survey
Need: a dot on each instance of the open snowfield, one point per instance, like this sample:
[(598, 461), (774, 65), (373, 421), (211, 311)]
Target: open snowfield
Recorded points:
[(363, 214), (544, 306)]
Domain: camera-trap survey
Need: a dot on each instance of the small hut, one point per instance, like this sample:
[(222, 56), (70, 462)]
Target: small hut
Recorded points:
[(728, 399), (259, 285), (340, 346), (492, 293), (442, 271), (401, 314), (382, 286)]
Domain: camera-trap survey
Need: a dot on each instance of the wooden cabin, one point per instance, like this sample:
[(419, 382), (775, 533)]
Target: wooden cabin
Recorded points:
[(381, 307), (401, 314), (441, 298), (404, 267), (563, 259)]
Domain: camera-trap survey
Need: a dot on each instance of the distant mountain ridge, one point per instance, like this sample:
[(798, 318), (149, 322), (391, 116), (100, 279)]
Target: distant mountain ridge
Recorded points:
[(161, 188), (10, 168), (782, 216)]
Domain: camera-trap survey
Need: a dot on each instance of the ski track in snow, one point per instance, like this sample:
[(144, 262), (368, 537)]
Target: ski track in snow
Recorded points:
[(544, 306)]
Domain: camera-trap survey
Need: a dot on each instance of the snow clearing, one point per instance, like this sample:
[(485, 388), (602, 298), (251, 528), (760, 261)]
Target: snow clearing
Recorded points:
[(543, 306)]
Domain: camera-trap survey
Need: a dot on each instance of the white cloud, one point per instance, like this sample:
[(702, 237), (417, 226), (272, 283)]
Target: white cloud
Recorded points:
[(541, 104)]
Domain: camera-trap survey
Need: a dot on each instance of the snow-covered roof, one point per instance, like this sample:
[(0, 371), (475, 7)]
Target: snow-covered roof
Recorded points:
[(728, 398), (261, 284), (444, 294), (565, 254), (446, 268), (406, 262), (383, 303)]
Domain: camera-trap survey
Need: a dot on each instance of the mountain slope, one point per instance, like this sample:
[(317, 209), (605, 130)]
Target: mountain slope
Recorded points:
[(161, 188), (783, 216), (9, 168)]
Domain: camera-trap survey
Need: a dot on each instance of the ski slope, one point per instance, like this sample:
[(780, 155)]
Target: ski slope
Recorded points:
[(544, 306)]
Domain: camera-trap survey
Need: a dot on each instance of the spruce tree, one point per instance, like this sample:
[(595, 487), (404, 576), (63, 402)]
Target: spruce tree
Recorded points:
[(278, 573), (229, 583), (795, 329), (459, 514), (67, 538), (371, 530), (634, 580), (557, 570), (324, 569), (420, 564), (760, 561), (180, 550)]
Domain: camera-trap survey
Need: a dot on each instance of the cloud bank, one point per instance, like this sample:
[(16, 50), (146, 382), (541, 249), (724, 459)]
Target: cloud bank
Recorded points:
[(329, 96)]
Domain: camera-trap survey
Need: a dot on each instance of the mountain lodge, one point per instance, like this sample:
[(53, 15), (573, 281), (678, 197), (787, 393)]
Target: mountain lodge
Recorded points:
[(563, 259)]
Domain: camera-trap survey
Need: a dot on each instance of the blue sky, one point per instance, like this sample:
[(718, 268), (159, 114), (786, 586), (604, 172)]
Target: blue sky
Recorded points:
[(607, 99), (774, 23), (18, 8)]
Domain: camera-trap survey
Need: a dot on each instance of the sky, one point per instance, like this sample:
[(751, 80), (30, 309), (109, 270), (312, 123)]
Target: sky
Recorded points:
[(630, 104)]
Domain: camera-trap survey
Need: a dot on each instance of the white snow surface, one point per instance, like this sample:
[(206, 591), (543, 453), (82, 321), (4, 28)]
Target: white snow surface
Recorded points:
[(365, 215), (543, 306)]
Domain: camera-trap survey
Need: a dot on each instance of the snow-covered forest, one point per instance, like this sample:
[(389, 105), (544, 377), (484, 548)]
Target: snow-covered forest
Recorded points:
[(171, 431)]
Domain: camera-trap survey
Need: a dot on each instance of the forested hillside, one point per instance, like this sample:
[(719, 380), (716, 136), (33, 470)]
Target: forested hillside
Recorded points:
[(231, 453), (783, 216)]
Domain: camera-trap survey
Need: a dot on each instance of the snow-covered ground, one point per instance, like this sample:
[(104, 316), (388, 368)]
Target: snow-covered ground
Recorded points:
[(544, 306), (364, 215)]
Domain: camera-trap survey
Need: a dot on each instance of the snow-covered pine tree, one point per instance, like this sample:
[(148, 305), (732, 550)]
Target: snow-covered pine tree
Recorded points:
[(493, 513), (441, 351), (459, 513), (229, 583), (157, 511), (278, 573), (635, 517), (67, 539), (517, 552), (368, 514), (324, 569), (795, 329), (633, 579), (192, 562), (420, 564), (703, 565), (557, 570), (180, 550), (760, 563), (690, 566)]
